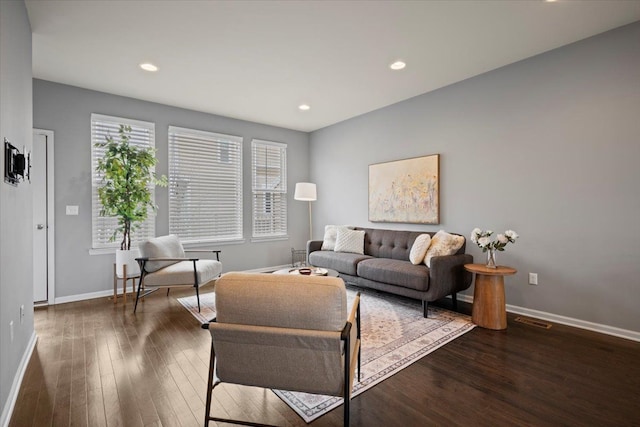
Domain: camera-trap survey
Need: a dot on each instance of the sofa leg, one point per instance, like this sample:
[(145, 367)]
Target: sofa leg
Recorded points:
[(424, 308), (454, 299)]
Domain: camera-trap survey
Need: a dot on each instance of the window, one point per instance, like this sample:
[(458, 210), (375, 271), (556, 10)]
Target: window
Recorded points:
[(269, 168), (103, 228), (205, 186)]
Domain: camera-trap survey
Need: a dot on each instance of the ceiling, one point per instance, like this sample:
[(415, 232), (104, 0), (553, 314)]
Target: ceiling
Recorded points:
[(259, 60)]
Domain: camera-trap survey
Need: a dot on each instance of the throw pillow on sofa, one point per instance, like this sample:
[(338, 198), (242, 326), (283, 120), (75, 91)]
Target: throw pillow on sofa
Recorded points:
[(350, 241), (330, 236), (443, 243), (419, 249)]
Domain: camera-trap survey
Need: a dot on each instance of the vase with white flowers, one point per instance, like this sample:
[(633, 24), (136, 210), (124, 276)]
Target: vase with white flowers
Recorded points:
[(482, 238)]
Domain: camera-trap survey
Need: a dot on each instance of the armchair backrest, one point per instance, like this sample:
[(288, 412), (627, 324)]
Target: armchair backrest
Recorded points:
[(161, 247), (282, 301), (280, 331)]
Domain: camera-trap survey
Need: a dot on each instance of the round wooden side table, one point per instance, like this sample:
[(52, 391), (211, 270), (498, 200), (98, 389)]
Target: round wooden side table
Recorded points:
[(489, 309)]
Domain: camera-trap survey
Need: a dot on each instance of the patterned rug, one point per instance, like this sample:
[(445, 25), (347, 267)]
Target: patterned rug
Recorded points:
[(394, 335)]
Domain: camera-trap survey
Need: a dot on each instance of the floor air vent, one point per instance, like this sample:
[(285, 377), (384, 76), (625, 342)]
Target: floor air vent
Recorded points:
[(533, 322)]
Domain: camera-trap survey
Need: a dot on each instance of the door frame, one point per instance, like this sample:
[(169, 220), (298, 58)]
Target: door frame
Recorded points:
[(51, 276)]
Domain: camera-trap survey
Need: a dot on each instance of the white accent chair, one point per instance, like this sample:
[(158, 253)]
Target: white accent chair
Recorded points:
[(163, 264), (287, 332)]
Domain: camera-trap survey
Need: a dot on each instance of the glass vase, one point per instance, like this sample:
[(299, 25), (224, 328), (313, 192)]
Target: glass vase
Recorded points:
[(491, 258)]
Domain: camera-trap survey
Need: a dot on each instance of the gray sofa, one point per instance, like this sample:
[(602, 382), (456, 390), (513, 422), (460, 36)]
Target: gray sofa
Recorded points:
[(385, 266)]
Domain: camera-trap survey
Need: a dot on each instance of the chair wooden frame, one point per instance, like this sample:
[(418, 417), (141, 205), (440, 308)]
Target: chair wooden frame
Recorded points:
[(351, 360)]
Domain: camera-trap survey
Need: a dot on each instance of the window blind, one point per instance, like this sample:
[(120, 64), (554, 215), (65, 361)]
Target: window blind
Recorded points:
[(269, 189), (102, 228), (205, 185)]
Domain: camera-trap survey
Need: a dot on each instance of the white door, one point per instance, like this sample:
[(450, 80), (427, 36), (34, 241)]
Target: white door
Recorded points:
[(41, 151)]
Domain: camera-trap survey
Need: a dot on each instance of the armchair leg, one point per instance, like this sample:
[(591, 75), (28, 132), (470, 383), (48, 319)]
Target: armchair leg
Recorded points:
[(425, 308), (198, 298), (135, 307), (454, 298), (347, 380), (207, 414)]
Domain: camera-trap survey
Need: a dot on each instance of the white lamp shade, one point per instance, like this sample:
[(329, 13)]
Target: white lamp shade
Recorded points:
[(305, 191)]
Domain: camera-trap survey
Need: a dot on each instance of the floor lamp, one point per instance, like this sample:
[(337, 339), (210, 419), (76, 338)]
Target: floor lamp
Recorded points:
[(306, 192)]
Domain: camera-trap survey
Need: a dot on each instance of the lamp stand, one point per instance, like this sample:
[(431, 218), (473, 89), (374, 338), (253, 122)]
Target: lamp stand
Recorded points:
[(310, 223)]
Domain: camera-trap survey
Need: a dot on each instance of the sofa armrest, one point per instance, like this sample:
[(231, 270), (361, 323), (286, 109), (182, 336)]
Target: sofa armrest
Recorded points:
[(312, 246), (448, 275)]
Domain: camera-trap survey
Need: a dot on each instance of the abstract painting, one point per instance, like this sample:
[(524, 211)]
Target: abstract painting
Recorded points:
[(405, 191)]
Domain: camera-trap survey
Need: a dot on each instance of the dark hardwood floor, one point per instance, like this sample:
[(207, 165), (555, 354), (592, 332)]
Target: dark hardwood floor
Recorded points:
[(98, 364)]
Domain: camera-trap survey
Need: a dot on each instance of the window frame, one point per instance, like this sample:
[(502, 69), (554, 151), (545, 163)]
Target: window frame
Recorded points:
[(178, 138), (279, 224)]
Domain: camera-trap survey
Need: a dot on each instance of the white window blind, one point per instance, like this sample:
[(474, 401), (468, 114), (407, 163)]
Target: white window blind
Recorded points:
[(143, 135), (269, 169), (205, 185)]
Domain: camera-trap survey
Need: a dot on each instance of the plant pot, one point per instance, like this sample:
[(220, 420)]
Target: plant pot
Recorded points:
[(128, 258)]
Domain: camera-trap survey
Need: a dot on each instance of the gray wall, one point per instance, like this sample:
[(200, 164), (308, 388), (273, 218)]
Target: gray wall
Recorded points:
[(67, 111), (548, 146), (16, 277)]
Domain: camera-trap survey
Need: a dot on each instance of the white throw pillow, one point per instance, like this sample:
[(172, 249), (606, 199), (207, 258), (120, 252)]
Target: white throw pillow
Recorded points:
[(419, 249), (330, 236), (350, 241), (443, 243)]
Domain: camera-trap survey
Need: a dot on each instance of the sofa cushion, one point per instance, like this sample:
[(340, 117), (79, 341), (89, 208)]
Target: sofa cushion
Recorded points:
[(330, 236), (343, 262), (443, 243), (395, 272), (395, 244), (350, 241), (181, 273), (161, 247), (419, 248)]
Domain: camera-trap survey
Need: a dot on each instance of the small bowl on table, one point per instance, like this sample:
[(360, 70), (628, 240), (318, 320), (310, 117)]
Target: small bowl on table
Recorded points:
[(305, 271)]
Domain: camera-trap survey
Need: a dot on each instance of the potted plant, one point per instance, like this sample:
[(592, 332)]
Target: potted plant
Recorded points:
[(126, 191)]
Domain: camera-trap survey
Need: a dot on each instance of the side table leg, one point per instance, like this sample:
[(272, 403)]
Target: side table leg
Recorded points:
[(489, 309)]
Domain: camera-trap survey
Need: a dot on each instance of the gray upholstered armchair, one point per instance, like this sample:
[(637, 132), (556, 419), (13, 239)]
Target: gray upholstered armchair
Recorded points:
[(286, 332), (164, 264)]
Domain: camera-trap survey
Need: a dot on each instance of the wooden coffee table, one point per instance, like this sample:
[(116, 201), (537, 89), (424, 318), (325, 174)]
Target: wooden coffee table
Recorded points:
[(489, 310), (330, 272)]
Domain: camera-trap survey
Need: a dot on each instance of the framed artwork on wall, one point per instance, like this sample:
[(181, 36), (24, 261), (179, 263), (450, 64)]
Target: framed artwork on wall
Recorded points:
[(406, 191)]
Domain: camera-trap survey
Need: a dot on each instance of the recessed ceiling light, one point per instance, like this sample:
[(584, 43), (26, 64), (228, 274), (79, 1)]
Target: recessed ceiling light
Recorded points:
[(147, 66), (398, 65), (304, 107)]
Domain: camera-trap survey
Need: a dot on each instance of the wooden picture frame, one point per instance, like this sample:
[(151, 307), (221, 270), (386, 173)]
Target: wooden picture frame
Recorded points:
[(406, 191)]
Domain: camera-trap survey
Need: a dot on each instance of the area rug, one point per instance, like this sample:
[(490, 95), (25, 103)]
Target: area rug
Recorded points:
[(394, 335)]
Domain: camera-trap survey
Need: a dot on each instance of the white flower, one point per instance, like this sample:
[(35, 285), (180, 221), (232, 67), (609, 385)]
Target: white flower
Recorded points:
[(512, 235), (483, 242), (474, 235)]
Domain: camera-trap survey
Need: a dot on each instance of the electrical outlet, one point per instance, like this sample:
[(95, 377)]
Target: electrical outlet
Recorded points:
[(533, 278), (22, 314), (11, 329)]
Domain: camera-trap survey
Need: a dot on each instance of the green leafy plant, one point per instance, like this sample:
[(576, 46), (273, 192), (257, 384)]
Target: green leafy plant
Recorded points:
[(127, 183)]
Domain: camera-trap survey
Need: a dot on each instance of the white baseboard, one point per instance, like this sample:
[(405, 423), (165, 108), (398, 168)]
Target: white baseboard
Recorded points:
[(7, 411), (82, 297), (569, 321)]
